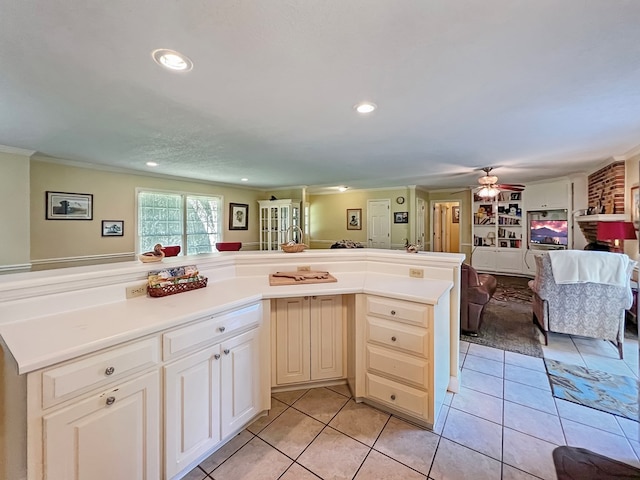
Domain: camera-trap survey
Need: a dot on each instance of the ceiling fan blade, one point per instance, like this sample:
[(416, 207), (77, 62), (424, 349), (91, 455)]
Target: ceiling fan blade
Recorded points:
[(513, 188)]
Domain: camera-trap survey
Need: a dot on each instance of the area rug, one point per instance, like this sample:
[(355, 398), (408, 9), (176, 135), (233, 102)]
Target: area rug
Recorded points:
[(507, 319), (616, 394), (573, 463)]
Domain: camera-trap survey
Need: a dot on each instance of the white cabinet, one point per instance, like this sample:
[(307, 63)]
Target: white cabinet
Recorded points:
[(402, 355), (277, 217), (112, 434), (498, 233), (192, 405), (308, 333), (549, 195), (210, 395)]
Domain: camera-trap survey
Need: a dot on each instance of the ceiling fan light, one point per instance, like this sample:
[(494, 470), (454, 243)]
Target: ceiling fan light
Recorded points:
[(488, 192), (488, 180)]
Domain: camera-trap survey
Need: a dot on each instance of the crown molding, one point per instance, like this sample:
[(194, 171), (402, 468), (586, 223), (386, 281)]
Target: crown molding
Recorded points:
[(16, 151)]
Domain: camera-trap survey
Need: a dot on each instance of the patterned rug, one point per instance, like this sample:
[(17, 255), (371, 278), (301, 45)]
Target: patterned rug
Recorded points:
[(610, 393), (507, 322)]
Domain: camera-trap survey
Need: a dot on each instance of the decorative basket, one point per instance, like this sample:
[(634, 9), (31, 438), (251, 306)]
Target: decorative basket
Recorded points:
[(176, 288), (150, 258), (290, 247)]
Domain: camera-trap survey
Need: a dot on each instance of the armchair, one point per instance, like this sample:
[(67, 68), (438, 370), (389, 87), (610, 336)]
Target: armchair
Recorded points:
[(475, 292), (588, 309)]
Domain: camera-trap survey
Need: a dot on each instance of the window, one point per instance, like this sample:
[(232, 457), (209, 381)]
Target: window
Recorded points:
[(181, 219)]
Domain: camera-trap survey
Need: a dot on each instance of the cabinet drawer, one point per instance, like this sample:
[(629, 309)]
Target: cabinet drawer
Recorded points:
[(407, 312), (397, 336), (399, 366), (206, 332), (397, 395), (66, 381)]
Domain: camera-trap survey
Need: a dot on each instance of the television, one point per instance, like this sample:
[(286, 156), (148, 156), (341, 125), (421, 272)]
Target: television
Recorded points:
[(549, 232)]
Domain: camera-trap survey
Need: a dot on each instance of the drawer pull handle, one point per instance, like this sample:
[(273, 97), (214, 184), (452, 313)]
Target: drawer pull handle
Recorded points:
[(217, 356), (226, 351), (393, 397), (393, 339), (222, 329), (111, 400), (393, 312), (109, 371)]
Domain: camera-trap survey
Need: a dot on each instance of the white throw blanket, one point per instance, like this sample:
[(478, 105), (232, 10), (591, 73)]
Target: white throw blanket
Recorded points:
[(580, 266)]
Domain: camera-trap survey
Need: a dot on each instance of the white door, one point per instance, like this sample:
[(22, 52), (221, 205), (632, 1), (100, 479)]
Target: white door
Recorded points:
[(192, 404), (114, 434), (436, 244), (326, 337), (240, 395), (379, 223), (421, 236)]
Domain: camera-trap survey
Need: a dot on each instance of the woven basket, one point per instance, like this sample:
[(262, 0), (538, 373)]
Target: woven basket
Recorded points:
[(176, 288), (296, 247)]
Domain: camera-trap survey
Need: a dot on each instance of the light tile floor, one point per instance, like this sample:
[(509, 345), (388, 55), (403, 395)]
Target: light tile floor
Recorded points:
[(504, 424)]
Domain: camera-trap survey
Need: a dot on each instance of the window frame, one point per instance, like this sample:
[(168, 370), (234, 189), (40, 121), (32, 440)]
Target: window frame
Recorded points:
[(184, 195)]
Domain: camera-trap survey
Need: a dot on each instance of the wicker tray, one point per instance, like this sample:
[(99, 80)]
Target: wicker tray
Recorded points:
[(176, 288)]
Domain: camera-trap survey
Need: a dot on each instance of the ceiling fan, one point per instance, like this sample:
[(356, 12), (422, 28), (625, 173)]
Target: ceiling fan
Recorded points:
[(490, 188)]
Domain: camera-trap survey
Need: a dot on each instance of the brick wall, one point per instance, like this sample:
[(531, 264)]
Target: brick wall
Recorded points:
[(606, 187)]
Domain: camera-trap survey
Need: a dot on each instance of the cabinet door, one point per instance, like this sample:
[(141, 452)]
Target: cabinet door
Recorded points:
[(326, 337), (240, 381), (192, 408), (484, 259), (114, 434), (548, 195), (509, 260), (292, 334)]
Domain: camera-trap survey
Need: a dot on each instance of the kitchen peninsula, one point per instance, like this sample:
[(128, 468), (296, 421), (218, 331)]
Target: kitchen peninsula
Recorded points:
[(162, 382)]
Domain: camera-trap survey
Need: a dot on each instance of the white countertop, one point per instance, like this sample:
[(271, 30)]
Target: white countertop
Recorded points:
[(42, 341)]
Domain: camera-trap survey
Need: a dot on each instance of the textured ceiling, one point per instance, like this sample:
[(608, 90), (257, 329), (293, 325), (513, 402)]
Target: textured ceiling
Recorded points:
[(535, 88)]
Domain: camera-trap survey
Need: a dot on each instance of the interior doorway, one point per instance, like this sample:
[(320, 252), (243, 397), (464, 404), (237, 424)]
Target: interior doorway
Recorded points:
[(421, 233), (379, 223), (445, 226)]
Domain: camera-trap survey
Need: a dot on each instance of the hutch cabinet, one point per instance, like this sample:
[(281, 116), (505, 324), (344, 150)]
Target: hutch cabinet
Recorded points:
[(278, 219)]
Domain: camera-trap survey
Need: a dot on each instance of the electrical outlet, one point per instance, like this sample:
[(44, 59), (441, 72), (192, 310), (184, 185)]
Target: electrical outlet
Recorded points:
[(137, 290), (305, 268), (416, 272)]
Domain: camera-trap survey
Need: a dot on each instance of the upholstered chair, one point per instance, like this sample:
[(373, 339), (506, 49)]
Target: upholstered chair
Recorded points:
[(589, 309), (475, 292)]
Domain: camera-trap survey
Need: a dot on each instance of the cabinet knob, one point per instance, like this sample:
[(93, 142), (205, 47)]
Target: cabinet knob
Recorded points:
[(222, 329), (314, 297), (393, 397), (393, 312), (217, 356), (111, 400), (393, 339), (306, 298), (226, 351), (109, 371)]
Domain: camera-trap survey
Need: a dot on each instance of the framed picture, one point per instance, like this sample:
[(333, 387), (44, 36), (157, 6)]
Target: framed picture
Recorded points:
[(515, 195), (354, 219), (69, 206), (635, 206), (238, 216), (400, 217), (504, 243), (455, 214), (112, 228)]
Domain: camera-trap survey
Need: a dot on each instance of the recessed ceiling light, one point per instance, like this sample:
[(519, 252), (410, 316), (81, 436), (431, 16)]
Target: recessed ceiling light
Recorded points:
[(172, 60), (365, 107), (244, 179), (152, 164)]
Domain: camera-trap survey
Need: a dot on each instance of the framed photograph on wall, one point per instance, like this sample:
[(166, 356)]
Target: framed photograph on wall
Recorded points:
[(69, 206), (635, 206), (400, 217), (455, 214), (354, 219), (112, 228), (238, 216)]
